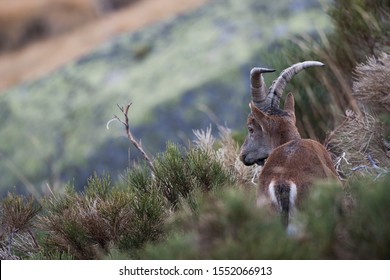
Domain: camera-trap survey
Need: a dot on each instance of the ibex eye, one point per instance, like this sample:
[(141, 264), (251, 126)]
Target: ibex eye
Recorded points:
[(251, 130)]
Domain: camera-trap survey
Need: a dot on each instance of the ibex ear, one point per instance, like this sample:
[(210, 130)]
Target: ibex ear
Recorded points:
[(260, 117), (289, 105)]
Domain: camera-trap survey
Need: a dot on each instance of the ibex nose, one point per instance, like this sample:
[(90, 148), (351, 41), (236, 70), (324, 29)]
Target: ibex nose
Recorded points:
[(243, 158)]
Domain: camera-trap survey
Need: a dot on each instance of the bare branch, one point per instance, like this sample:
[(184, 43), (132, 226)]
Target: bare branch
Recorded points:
[(137, 144)]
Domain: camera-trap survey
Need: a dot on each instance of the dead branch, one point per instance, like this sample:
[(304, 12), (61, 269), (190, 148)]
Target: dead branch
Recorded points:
[(137, 144)]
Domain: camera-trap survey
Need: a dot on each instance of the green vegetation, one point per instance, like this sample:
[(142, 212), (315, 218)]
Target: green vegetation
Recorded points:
[(87, 225), (360, 30), (199, 202), (104, 216), (175, 73), (137, 218)]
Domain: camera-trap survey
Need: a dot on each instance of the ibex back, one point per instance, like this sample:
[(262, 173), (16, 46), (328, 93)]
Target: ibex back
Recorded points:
[(290, 164)]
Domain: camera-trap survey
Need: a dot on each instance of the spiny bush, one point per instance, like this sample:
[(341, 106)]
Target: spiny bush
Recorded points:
[(178, 173), (107, 218), (149, 207), (17, 238), (368, 229), (104, 218), (89, 224), (332, 225), (228, 225), (133, 220)]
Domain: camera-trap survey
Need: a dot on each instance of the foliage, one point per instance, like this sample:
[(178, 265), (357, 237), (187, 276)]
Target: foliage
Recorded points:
[(179, 173), (107, 218), (227, 225), (16, 220), (360, 30), (87, 225), (219, 220), (333, 225), (363, 27), (150, 212), (368, 232)]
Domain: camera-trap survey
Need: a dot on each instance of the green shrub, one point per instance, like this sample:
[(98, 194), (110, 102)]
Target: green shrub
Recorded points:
[(227, 225), (368, 225), (133, 220), (88, 225), (149, 208), (180, 172), (336, 223), (17, 238)]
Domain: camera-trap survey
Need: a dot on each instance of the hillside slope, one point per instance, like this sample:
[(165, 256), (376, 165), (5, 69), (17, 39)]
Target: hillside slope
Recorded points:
[(180, 74), (40, 58)]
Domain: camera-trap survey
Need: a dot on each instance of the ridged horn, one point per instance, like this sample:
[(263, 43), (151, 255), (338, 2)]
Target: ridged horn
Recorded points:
[(258, 87), (278, 86)]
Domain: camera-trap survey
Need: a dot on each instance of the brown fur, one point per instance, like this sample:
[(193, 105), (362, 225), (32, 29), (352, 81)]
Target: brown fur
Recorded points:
[(289, 158), (302, 161)]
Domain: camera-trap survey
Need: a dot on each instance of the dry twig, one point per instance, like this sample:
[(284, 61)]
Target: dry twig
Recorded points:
[(137, 144)]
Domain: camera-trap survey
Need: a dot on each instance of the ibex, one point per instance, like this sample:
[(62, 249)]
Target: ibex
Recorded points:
[(290, 164)]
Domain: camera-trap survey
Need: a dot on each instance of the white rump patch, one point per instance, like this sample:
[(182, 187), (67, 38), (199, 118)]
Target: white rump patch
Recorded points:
[(293, 194), (291, 229), (272, 194)]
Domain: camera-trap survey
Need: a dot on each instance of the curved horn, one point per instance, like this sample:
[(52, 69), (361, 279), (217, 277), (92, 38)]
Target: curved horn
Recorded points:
[(258, 87), (278, 86)]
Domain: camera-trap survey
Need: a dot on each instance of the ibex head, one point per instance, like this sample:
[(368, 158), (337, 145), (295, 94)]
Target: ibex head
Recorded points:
[(268, 125)]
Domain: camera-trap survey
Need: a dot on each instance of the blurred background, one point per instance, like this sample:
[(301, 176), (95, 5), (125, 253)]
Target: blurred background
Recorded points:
[(184, 64)]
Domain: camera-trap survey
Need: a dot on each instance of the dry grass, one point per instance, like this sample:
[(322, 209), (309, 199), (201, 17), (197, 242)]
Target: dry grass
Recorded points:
[(359, 143), (372, 84), (358, 147), (335, 78), (360, 29), (227, 154)]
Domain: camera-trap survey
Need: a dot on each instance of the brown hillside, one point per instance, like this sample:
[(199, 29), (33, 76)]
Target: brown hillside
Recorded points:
[(80, 27)]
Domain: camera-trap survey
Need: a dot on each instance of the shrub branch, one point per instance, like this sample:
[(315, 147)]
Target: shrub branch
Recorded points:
[(137, 144)]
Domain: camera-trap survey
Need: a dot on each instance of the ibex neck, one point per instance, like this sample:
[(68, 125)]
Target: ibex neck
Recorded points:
[(289, 135)]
